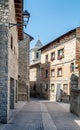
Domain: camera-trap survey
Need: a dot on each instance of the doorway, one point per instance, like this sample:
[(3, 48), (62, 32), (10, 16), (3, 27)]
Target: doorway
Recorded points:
[(11, 93), (58, 92)]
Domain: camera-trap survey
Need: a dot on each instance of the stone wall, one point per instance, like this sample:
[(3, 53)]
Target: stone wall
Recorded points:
[(8, 58), (12, 52), (75, 81), (37, 82), (78, 52), (3, 73), (4, 11), (75, 102), (4, 6), (23, 84)]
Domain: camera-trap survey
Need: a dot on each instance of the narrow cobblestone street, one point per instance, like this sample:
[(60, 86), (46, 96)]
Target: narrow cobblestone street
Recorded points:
[(43, 115)]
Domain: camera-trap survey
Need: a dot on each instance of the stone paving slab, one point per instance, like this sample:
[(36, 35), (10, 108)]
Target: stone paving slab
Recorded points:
[(66, 106), (63, 119), (18, 106), (28, 118), (47, 120), (41, 115), (2, 126)]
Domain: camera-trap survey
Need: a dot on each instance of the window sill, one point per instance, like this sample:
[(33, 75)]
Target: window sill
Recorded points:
[(60, 57), (52, 59), (59, 76)]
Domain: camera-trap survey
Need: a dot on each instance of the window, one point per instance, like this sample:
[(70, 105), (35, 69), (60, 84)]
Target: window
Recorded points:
[(11, 43), (52, 56), (46, 87), (46, 58), (59, 72), (53, 73), (65, 88), (52, 87), (60, 54), (72, 67), (46, 73), (37, 55)]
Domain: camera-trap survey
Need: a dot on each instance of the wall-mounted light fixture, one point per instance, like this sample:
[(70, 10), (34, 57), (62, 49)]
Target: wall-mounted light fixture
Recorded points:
[(26, 16)]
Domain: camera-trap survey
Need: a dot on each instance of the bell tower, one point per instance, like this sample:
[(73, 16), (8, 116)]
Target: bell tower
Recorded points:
[(35, 54)]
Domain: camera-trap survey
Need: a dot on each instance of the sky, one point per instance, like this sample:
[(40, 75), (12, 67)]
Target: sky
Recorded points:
[(51, 18)]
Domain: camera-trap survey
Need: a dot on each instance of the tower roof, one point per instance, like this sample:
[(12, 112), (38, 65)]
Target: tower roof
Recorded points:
[(38, 44)]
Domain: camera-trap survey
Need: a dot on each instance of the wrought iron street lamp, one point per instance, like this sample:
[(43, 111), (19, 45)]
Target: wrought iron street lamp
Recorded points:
[(26, 16)]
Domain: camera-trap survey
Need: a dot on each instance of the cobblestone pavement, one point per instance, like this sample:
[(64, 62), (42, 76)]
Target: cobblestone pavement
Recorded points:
[(42, 115)]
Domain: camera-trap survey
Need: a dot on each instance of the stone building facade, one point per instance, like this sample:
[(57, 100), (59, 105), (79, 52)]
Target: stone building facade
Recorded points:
[(75, 92), (9, 37), (35, 57), (24, 61), (59, 61)]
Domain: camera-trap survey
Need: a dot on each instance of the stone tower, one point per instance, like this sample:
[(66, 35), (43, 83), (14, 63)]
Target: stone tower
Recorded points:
[(35, 54)]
